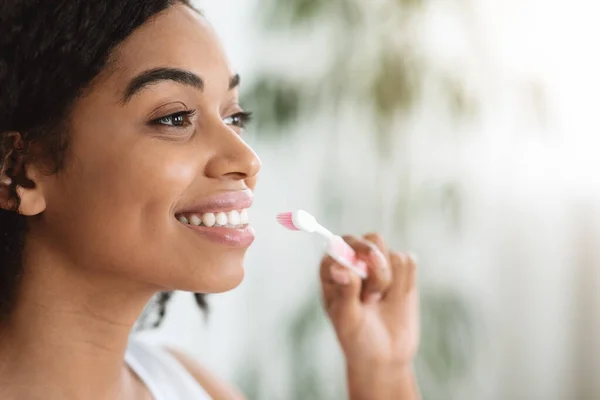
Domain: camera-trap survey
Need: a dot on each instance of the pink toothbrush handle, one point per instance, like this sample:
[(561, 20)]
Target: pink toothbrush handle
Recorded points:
[(341, 252)]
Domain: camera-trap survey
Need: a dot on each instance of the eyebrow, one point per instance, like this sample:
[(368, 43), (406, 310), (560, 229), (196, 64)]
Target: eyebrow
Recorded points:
[(156, 75)]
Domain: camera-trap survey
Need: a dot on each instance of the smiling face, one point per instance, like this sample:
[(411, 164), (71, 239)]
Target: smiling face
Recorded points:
[(155, 150)]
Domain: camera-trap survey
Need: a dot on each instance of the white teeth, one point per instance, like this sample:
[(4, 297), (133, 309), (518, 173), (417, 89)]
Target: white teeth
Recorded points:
[(244, 217), (209, 219), (195, 220), (233, 218), (222, 219)]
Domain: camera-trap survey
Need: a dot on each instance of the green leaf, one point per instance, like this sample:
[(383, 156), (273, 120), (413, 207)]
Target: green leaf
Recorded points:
[(410, 4), (292, 13), (394, 87), (350, 14), (276, 104), (394, 91), (447, 335)]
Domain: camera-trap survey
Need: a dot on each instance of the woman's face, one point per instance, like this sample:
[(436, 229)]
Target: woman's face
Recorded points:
[(155, 148)]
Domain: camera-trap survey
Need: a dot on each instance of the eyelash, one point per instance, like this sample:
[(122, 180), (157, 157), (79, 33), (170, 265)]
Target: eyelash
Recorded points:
[(187, 114), (240, 119)]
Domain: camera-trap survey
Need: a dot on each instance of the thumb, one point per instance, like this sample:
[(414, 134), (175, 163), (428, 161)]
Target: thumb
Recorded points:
[(341, 294)]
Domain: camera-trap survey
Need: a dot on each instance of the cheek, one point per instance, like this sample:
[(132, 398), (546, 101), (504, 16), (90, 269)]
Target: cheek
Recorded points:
[(179, 172), (157, 182), (117, 206), (138, 183), (150, 184)]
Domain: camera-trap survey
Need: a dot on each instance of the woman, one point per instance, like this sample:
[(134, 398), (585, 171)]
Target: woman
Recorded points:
[(120, 131)]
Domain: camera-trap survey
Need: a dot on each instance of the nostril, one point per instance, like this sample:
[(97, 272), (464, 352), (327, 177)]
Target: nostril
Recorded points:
[(236, 175)]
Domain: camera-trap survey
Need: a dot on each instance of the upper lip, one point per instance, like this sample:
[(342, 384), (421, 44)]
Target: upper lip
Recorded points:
[(222, 202)]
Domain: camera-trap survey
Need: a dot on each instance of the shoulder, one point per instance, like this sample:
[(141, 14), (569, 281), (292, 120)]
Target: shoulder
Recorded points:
[(214, 386)]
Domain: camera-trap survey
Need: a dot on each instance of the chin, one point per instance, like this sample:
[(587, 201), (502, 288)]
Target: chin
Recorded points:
[(217, 280), (227, 283)]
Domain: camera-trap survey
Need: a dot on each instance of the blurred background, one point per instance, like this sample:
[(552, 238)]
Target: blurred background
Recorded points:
[(466, 132)]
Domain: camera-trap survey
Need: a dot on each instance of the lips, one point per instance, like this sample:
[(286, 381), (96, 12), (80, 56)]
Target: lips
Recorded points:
[(231, 237), (221, 218), (223, 202)]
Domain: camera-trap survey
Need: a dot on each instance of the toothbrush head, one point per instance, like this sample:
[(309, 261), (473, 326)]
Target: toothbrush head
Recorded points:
[(298, 220), (286, 220)]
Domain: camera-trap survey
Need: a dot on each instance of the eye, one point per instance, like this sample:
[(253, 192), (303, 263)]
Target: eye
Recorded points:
[(240, 120), (177, 120)]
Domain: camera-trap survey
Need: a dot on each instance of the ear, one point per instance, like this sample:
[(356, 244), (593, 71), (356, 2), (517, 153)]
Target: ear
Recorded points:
[(28, 178), (33, 200)]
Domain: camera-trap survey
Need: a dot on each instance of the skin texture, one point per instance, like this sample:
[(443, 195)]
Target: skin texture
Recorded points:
[(104, 236)]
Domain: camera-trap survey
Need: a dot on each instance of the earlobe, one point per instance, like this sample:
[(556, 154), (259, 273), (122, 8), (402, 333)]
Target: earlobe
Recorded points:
[(30, 205), (33, 201)]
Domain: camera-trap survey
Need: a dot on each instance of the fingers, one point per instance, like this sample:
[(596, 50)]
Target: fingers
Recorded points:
[(380, 273), (377, 240), (369, 249), (404, 270), (391, 275)]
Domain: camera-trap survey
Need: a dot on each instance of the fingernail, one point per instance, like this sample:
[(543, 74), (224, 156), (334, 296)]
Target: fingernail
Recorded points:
[(361, 266), (377, 257), (339, 275), (373, 298), (413, 257)]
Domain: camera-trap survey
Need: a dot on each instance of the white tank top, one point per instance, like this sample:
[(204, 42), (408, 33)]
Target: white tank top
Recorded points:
[(162, 373)]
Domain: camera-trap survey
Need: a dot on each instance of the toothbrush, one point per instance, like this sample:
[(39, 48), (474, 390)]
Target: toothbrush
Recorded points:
[(335, 246)]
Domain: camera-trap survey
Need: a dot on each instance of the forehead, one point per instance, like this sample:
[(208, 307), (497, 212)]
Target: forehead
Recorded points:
[(179, 38)]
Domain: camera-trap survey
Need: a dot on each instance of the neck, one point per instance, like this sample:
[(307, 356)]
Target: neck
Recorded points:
[(68, 333)]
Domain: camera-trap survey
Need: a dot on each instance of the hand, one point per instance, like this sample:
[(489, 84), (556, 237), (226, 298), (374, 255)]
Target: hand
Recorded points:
[(376, 320)]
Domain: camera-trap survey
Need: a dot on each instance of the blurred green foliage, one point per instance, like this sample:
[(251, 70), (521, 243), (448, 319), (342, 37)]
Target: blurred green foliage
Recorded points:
[(373, 66), (370, 64)]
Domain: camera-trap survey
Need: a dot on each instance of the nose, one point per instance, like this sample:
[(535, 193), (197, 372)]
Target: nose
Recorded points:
[(233, 158)]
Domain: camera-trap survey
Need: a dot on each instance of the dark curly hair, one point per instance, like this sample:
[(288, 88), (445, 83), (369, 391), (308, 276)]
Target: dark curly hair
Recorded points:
[(50, 51)]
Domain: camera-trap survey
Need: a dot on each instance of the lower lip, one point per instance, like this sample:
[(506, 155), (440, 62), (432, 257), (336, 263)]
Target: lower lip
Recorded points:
[(241, 238)]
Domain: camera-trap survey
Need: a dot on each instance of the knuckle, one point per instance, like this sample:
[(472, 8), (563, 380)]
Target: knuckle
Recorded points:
[(396, 257), (358, 244), (376, 243), (374, 237), (326, 261), (372, 245), (352, 241), (349, 238)]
